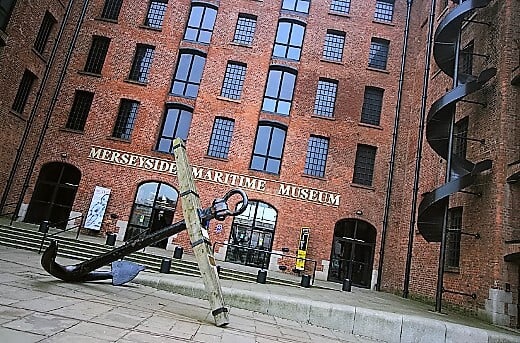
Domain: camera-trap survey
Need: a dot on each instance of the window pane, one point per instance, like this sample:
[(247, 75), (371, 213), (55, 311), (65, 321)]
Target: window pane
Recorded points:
[(79, 111), (340, 6), (24, 89), (44, 32), (384, 10), (372, 105), (111, 9), (155, 15), (245, 29), (125, 119), (97, 54), (333, 46), (268, 150), (325, 98), (289, 40), (378, 53), (364, 165), (221, 137), (176, 123), (233, 81), (316, 158), (188, 75), (273, 83)]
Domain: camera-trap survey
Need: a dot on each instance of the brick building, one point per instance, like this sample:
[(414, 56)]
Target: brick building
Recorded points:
[(293, 101)]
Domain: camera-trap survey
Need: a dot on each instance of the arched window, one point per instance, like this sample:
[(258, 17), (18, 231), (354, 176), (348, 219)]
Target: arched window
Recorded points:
[(279, 90), (201, 22), (176, 123), (188, 73), (154, 208), (269, 145), (289, 39), (252, 235)]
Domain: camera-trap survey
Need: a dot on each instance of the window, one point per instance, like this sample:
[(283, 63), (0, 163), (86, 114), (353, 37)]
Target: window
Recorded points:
[(142, 62), (384, 10), (460, 136), (6, 7), (325, 97), (378, 53), (296, 5), (453, 237), (23, 91), (317, 151), (466, 59), (340, 6), (333, 47), (125, 119), (97, 54), (233, 80), (245, 29), (279, 90), (372, 104), (200, 24), (364, 165), (289, 40), (188, 74), (155, 15), (177, 121), (79, 111), (111, 9), (44, 32), (221, 137), (268, 150)]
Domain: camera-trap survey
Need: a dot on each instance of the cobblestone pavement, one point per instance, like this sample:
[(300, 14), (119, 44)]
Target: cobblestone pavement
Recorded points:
[(35, 307)]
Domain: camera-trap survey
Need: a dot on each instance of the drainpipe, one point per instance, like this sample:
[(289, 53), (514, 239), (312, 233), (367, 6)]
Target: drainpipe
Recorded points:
[(54, 99), (418, 153), (32, 115), (394, 144)]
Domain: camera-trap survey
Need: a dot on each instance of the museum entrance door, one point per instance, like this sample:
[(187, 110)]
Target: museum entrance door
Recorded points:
[(154, 208), (352, 253), (54, 194), (251, 237)]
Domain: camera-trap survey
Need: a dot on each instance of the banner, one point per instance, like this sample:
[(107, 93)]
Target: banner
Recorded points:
[(97, 208), (302, 248)]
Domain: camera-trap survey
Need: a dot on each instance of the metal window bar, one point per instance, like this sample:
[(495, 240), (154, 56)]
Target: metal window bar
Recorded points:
[(111, 9), (233, 81), (466, 61), (97, 54), (453, 237), (384, 10), (79, 111), (125, 119), (460, 141), (24, 89), (155, 15), (325, 98), (333, 46), (340, 6), (221, 137), (245, 29), (372, 105), (378, 54), (317, 151), (364, 165), (142, 63), (43, 34)]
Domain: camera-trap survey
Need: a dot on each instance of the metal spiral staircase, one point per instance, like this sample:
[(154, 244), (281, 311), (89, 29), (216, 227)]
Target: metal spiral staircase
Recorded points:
[(439, 122)]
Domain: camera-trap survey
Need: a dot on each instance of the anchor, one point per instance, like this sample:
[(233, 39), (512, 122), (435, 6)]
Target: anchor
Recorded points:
[(125, 271)]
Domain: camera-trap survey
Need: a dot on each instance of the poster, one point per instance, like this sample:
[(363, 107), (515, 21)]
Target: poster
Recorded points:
[(302, 248), (97, 208)]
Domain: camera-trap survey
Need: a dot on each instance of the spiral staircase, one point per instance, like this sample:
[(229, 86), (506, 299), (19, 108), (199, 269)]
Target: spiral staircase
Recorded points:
[(439, 122)]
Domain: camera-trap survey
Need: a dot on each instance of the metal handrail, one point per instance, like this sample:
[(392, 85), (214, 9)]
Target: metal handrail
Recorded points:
[(271, 253), (46, 236), (12, 214)]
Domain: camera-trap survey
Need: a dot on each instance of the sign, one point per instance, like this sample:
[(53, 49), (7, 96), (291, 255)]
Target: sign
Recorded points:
[(220, 177), (97, 208), (302, 248), (218, 228)]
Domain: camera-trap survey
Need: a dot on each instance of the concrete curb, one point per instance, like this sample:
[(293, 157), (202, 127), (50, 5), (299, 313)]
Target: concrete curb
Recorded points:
[(379, 325)]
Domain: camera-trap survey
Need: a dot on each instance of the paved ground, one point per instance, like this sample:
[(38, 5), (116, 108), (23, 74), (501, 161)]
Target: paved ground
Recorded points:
[(35, 307)]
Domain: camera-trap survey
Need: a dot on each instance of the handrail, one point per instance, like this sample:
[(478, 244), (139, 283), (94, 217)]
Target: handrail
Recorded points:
[(271, 253), (2, 214), (46, 236)]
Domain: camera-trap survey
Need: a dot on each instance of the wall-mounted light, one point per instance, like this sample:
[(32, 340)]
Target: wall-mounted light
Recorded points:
[(64, 155), (359, 212)]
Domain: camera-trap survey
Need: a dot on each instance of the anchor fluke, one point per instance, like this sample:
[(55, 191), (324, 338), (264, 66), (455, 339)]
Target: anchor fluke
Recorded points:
[(124, 271)]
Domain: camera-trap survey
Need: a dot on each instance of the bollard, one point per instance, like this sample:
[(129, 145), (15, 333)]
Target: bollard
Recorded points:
[(262, 276), (165, 265), (218, 270), (111, 239), (44, 226), (306, 281), (177, 253), (347, 285)]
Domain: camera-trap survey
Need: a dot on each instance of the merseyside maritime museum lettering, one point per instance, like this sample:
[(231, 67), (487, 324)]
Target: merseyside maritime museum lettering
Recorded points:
[(159, 165)]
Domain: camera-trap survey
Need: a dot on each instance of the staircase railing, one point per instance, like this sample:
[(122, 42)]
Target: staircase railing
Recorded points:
[(44, 227)]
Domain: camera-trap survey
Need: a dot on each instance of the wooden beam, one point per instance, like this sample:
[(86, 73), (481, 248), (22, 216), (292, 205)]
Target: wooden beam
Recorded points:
[(199, 236)]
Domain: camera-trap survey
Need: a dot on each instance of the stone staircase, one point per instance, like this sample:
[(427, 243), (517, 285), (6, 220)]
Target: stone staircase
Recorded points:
[(82, 249)]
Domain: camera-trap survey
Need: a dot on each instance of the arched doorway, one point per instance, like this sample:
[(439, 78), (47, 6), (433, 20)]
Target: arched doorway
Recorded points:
[(352, 253), (54, 194), (252, 235), (153, 209)]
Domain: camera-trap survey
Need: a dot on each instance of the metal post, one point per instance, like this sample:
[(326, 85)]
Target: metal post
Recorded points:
[(199, 236)]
